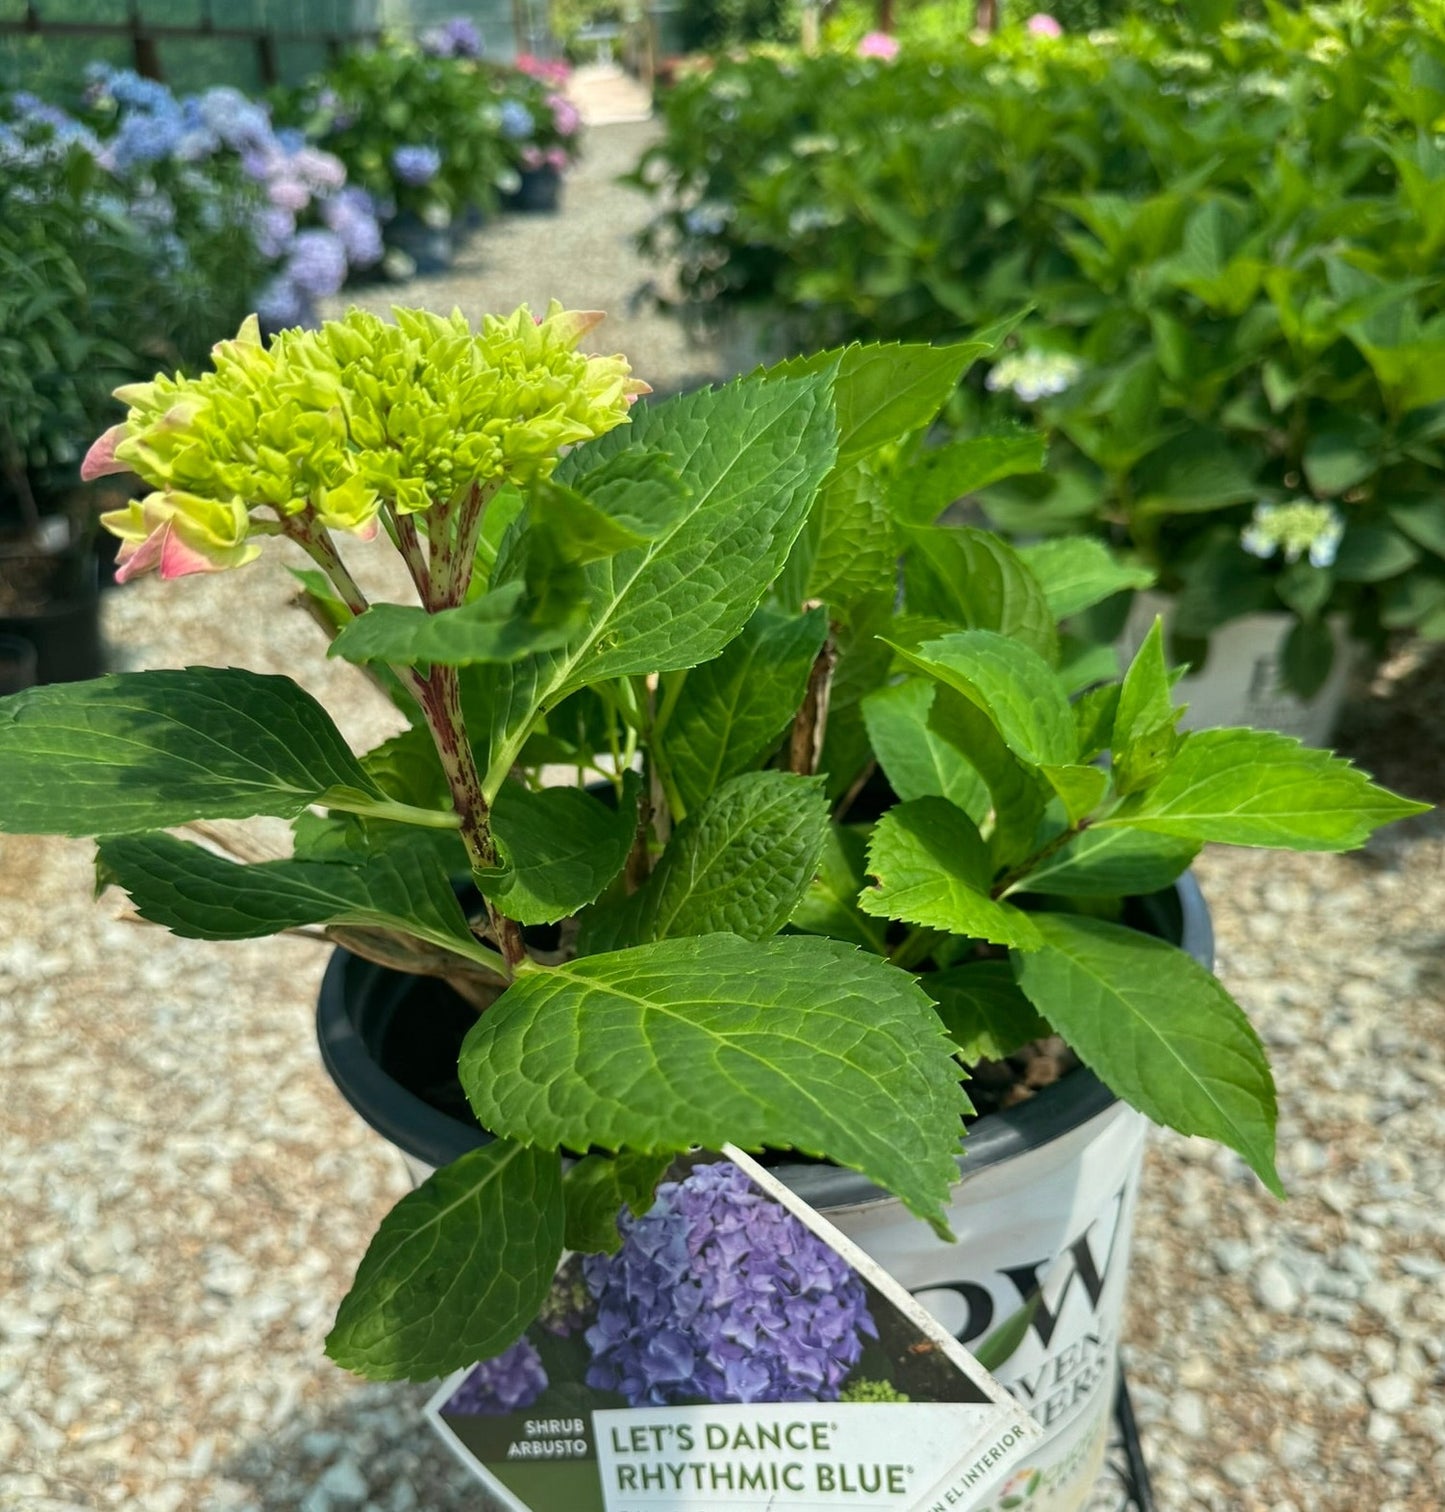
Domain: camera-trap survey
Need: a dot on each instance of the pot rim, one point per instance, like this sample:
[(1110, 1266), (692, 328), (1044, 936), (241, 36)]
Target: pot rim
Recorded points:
[(426, 1134)]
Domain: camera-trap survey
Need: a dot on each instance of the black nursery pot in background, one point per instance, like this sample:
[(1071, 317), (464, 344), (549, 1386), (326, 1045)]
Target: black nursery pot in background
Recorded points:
[(539, 192), (50, 599)]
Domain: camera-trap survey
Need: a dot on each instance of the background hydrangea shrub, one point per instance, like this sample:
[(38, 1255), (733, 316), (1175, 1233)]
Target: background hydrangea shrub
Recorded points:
[(1229, 239)]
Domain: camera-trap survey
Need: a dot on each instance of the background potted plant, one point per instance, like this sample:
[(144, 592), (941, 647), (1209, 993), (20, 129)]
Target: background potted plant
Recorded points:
[(103, 277), (1236, 341), (699, 608)]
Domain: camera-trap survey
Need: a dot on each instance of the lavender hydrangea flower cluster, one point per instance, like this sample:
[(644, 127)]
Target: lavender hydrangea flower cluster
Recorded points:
[(721, 1295), (517, 123), (298, 181), (509, 1382), (457, 38), (416, 166)]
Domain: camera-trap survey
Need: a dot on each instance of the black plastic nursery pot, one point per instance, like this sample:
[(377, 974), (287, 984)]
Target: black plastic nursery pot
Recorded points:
[(1043, 1209), (540, 191), (62, 619), (431, 248)]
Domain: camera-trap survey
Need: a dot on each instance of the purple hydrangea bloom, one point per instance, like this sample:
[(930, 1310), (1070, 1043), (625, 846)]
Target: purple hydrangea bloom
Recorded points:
[(241, 124), (457, 38), (147, 137), (416, 165), (129, 89), (517, 122), (281, 304), (720, 1294), (316, 169), (351, 214), (273, 230), (510, 1382), (317, 264)]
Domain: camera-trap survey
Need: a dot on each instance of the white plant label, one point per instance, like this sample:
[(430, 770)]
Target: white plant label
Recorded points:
[(738, 1352)]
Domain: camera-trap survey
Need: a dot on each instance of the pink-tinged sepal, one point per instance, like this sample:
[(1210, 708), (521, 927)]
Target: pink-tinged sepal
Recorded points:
[(100, 460)]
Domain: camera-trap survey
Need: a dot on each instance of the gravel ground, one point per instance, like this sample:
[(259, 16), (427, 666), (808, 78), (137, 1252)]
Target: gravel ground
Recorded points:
[(187, 1197)]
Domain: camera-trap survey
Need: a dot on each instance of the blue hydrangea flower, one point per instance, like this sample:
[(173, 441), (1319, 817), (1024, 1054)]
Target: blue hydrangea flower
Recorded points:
[(241, 124), (416, 165), (281, 304), (351, 214), (273, 229), (517, 122), (510, 1382), (317, 264), (719, 1294), (147, 137), (457, 38)]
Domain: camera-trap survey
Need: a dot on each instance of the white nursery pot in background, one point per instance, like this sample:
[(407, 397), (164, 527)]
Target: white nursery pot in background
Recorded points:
[(1241, 681)]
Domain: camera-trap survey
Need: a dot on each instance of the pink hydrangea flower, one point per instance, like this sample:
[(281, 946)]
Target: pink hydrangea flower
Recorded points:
[(1042, 25), (878, 45)]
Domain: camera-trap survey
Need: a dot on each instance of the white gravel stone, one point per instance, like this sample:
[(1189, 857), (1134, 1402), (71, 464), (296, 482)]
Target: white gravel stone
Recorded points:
[(1275, 1288), (1391, 1393)]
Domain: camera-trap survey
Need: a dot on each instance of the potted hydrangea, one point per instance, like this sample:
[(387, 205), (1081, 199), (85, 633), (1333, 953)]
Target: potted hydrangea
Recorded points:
[(837, 844)]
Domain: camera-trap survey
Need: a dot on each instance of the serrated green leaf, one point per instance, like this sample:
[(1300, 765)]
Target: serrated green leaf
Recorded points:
[(940, 476), (1252, 787), (1082, 665), (738, 863), (1306, 657), (753, 455), (1079, 787), (917, 761), (457, 1269), (1077, 572), (984, 1010), (886, 390), (734, 709), (1012, 685), (632, 497), (796, 1042), (1423, 522), (402, 885), (598, 1187), (971, 578), (854, 550), (560, 847), (1159, 1029), (1144, 735), (499, 626), (1111, 863), (934, 868), (144, 750), (1094, 720), (1372, 553), (1020, 795), (829, 905)]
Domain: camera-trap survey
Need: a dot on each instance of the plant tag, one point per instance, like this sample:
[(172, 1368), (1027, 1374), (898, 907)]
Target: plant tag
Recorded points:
[(737, 1352)]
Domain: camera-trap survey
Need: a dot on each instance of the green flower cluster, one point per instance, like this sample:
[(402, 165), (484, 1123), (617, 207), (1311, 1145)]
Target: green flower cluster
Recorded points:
[(333, 424), (865, 1390)]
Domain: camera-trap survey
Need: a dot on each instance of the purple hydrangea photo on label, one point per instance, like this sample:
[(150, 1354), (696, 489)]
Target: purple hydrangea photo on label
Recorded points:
[(721, 1295)]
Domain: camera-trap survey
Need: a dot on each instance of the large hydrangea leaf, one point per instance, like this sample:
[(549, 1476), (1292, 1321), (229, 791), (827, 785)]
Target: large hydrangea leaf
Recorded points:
[(457, 1269), (797, 1042), (144, 750)]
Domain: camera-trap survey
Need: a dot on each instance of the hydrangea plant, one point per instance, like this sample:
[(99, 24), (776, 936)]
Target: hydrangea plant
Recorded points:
[(848, 840)]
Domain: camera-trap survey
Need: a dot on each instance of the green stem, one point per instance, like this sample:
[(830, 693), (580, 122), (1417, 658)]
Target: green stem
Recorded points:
[(401, 813), (442, 705), (1017, 874), (916, 946)]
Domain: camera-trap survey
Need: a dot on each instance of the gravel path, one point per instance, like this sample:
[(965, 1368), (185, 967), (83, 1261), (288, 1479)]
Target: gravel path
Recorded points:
[(187, 1198)]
